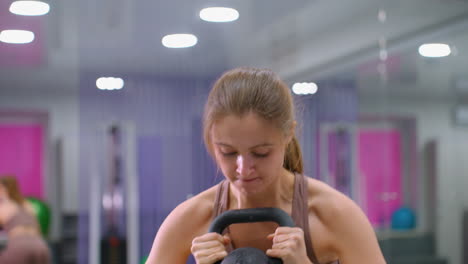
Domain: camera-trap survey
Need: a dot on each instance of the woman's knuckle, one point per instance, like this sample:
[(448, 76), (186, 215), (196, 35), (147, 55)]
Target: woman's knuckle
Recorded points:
[(197, 254)]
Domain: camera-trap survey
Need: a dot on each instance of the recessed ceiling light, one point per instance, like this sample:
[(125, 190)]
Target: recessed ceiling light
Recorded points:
[(109, 83), (179, 40), (14, 36), (29, 8), (219, 14), (434, 50), (305, 88)]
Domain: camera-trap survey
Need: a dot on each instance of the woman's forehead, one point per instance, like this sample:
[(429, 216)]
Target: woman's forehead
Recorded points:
[(249, 129)]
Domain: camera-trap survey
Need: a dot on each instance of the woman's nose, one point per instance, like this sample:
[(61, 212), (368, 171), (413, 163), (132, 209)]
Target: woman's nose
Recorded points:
[(244, 165)]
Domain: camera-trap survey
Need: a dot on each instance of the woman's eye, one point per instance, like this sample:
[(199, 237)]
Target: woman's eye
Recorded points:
[(260, 155), (228, 154), (255, 154)]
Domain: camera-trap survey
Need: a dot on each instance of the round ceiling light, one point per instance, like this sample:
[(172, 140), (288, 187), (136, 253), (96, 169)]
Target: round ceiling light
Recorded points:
[(14, 36), (109, 83), (179, 40), (305, 88), (434, 50), (219, 14), (29, 8)]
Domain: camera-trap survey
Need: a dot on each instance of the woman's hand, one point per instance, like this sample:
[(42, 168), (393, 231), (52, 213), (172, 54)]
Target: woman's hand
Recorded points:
[(289, 245), (209, 248)]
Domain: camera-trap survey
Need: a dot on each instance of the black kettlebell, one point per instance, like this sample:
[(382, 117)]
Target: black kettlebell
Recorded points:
[(250, 255)]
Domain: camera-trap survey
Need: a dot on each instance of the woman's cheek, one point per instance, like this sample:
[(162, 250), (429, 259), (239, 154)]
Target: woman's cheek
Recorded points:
[(228, 167)]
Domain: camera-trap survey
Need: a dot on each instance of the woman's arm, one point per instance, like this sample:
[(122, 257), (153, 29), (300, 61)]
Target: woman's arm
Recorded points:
[(173, 240), (353, 237), (171, 244)]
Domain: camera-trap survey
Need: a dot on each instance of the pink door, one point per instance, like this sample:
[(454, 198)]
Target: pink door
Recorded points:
[(21, 155), (380, 173)]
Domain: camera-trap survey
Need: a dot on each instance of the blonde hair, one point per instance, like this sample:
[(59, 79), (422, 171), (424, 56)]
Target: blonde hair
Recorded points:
[(11, 185), (244, 90)]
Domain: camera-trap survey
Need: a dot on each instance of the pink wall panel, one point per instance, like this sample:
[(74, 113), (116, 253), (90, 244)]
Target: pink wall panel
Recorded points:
[(21, 154), (380, 169)]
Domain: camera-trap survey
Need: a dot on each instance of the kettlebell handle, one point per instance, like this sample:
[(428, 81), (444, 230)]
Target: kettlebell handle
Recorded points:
[(250, 215)]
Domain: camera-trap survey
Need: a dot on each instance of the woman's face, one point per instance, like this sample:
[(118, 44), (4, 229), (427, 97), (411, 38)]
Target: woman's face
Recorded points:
[(249, 150)]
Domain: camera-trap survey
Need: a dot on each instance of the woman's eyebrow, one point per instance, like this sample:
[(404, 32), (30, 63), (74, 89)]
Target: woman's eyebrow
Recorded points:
[(262, 145), (222, 144), (256, 146)]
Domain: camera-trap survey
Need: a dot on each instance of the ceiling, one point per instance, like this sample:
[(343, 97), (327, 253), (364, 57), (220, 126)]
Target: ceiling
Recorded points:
[(301, 39)]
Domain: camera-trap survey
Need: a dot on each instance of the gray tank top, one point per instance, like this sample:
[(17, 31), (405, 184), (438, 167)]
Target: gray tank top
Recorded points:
[(300, 212)]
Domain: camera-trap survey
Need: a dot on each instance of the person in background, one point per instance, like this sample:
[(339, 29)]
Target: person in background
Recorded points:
[(25, 244), (249, 130)]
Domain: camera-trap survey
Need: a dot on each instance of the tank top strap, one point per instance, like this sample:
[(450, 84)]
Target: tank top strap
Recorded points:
[(221, 205), (221, 198), (300, 213)]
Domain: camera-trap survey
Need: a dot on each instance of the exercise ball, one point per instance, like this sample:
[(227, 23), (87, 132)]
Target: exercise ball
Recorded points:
[(42, 211), (403, 219)]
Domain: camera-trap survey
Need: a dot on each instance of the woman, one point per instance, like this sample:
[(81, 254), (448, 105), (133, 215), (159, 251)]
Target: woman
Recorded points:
[(25, 244), (249, 129)]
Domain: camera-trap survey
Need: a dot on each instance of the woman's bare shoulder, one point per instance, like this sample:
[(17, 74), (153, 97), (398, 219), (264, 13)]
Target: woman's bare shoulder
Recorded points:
[(188, 220), (29, 208), (328, 210), (7, 210), (350, 236), (194, 212), (326, 201)]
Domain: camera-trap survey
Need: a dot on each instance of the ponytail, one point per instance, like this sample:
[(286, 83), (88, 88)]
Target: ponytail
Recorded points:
[(293, 157)]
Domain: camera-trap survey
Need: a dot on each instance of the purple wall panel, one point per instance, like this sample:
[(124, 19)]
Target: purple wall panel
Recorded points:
[(306, 131), (162, 110), (150, 177), (339, 161), (336, 101), (204, 168)]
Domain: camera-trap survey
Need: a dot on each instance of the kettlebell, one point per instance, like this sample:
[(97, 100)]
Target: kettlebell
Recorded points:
[(249, 255)]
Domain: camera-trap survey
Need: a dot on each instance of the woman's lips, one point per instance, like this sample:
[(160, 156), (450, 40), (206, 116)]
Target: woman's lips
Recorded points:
[(248, 180)]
